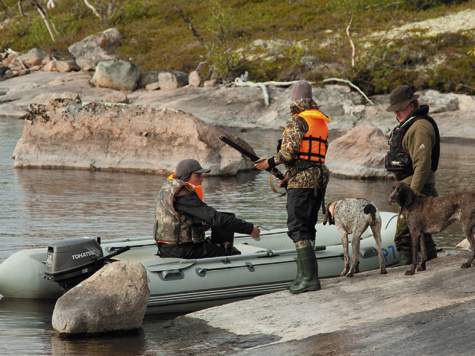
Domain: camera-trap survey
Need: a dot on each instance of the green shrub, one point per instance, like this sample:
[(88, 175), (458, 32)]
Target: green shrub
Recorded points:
[(156, 37)]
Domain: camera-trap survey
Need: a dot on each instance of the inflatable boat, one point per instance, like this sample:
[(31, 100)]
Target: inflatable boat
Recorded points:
[(265, 265)]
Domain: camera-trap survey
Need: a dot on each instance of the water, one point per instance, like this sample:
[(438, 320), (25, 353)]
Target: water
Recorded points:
[(41, 206)]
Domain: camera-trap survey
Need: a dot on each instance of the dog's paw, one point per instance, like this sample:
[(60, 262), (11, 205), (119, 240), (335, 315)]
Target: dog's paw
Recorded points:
[(350, 274), (384, 271), (409, 272), (466, 265)]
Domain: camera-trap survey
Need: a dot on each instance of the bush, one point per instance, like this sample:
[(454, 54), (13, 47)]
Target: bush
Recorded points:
[(156, 37)]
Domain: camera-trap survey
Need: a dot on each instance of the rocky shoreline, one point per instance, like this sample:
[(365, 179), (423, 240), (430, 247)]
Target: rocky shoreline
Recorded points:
[(238, 106), (209, 109), (369, 314)]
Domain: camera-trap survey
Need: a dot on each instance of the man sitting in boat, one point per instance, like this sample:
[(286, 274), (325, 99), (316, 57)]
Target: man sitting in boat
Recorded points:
[(181, 218)]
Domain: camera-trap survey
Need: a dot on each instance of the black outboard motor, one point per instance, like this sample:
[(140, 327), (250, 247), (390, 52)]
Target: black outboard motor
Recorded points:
[(71, 261)]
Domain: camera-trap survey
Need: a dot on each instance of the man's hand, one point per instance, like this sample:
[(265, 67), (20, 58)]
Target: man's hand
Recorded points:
[(262, 164), (284, 181), (255, 232)]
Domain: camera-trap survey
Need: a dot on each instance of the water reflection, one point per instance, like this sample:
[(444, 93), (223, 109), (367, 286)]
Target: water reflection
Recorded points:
[(41, 206), (44, 205), (82, 202), (26, 329), (123, 344), (25, 322)]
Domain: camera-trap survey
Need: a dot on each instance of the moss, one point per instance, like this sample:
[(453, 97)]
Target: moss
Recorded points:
[(155, 37)]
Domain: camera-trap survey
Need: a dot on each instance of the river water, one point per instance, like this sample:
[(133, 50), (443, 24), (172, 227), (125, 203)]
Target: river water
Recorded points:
[(41, 206)]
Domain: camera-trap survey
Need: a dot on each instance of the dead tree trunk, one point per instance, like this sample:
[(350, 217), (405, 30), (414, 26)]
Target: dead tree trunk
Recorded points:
[(183, 16)]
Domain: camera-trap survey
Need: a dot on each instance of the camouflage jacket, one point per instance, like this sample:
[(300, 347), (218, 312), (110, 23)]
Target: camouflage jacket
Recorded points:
[(182, 217), (171, 225), (302, 175)]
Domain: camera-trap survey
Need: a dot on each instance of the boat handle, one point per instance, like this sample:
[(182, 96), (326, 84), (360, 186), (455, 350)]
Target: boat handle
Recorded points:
[(171, 272), (202, 271)]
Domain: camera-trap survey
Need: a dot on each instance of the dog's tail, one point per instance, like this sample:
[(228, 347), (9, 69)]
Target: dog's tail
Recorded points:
[(370, 209)]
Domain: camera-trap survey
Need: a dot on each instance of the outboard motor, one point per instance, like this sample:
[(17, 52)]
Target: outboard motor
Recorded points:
[(71, 261)]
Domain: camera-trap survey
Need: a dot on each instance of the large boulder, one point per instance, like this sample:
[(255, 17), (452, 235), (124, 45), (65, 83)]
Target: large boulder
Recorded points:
[(116, 74), (194, 79), (359, 153), (97, 136), (172, 79), (113, 299), (148, 78), (67, 66), (439, 102), (96, 48), (35, 56), (342, 105)]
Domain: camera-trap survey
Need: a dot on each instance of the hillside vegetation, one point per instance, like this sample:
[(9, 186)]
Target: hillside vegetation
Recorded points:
[(271, 40)]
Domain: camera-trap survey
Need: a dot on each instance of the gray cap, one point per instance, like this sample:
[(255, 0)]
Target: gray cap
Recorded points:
[(187, 166), (301, 90), (401, 97)]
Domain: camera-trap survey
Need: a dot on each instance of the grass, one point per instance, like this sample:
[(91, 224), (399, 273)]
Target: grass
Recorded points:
[(266, 38)]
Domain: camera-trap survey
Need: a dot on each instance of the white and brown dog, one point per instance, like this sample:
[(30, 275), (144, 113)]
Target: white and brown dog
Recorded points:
[(353, 216)]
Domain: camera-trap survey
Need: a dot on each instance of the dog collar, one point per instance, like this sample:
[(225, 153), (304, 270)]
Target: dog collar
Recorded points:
[(332, 208)]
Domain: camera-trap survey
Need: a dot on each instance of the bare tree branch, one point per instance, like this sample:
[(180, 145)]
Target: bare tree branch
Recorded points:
[(20, 8), (93, 9), (17, 55), (350, 83), (242, 82), (45, 20), (183, 16), (389, 25), (351, 43), (43, 14)]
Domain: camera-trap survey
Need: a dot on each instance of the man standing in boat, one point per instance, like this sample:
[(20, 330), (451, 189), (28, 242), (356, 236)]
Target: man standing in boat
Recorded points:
[(303, 151), (181, 218)]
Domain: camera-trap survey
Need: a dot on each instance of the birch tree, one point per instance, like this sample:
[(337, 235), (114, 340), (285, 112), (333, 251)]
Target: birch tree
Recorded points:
[(44, 15)]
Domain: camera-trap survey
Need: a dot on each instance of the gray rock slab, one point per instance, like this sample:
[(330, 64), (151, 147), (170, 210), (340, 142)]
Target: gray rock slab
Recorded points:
[(369, 314), (243, 107), (67, 134), (359, 153)]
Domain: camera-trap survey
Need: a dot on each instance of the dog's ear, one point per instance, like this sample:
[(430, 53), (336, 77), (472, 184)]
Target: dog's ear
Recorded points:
[(409, 195), (328, 215)]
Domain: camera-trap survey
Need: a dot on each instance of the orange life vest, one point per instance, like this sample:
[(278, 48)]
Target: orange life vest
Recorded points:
[(314, 143), (197, 188)]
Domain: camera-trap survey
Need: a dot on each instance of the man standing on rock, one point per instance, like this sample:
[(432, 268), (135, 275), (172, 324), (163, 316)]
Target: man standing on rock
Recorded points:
[(413, 157), (303, 150), (181, 218)]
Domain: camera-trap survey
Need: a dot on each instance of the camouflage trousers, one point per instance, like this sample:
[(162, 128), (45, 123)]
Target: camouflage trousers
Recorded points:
[(402, 238)]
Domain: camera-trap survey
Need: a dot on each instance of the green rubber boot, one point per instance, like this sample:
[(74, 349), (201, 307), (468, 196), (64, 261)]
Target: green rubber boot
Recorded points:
[(297, 279), (309, 267), (405, 258)]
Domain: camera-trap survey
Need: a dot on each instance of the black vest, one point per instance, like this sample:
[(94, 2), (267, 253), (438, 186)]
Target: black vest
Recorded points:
[(397, 159)]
